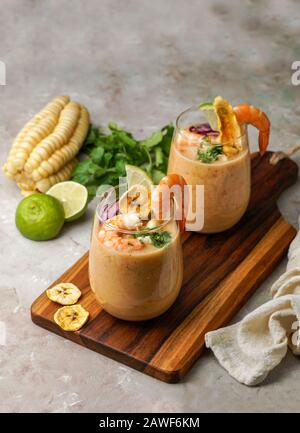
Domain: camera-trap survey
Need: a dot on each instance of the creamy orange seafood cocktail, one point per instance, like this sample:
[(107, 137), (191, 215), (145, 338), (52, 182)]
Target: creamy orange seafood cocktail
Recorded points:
[(135, 263), (210, 148)]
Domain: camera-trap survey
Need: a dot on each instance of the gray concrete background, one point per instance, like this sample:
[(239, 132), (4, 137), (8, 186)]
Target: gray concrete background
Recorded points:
[(138, 63)]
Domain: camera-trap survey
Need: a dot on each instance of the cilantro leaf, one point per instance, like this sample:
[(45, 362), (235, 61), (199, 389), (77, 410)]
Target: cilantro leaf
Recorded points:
[(96, 154), (211, 154), (83, 171), (159, 156), (153, 140), (159, 240)]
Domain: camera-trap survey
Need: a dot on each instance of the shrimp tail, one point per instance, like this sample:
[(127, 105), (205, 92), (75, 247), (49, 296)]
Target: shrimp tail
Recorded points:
[(171, 180), (249, 114), (263, 141)]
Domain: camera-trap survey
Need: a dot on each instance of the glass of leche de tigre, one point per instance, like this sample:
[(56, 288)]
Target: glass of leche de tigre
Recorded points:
[(210, 148), (135, 261)]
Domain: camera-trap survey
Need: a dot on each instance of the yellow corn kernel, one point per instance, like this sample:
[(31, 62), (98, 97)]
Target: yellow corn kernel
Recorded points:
[(56, 105), (64, 174), (9, 168), (70, 114), (44, 151), (25, 183), (66, 153), (26, 147), (52, 109), (43, 172), (26, 193)]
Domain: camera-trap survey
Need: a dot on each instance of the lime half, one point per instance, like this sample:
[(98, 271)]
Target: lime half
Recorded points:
[(211, 115), (137, 176), (73, 196), (40, 217)]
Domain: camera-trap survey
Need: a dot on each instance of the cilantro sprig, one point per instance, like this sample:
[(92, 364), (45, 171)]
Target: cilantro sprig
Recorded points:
[(211, 154), (159, 240), (105, 154)]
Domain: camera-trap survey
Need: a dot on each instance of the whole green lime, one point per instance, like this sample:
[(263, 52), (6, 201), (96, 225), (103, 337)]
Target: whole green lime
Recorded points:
[(40, 217)]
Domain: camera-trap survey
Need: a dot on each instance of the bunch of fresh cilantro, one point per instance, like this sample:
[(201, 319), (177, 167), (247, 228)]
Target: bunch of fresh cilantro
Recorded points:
[(107, 152)]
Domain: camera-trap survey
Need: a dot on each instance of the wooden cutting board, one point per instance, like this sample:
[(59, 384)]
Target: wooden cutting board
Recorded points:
[(221, 272)]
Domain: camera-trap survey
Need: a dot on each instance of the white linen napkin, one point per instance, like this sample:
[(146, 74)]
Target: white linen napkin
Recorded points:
[(250, 349)]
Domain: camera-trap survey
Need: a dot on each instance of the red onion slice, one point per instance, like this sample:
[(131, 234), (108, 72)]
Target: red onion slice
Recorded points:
[(107, 211), (204, 129)]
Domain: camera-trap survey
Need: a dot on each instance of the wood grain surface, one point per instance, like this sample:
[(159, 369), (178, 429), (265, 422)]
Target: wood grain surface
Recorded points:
[(220, 272)]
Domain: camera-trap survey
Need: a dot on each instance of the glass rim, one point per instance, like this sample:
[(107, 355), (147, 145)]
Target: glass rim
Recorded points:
[(126, 231), (194, 108)]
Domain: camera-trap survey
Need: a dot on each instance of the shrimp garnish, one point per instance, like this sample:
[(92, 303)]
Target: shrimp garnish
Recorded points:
[(115, 240), (254, 116), (170, 180), (131, 244)]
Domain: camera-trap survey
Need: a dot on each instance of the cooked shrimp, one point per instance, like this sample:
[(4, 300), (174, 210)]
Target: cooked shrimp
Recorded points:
[(131, 244), (254, 116), (170, 180), (117, 241)]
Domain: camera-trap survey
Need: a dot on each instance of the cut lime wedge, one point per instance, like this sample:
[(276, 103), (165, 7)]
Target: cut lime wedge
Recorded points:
[(206, 105), (137, 176), (73, 196), (211, 115)]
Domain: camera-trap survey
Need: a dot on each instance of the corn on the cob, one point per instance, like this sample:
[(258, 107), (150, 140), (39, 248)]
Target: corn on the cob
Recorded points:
[(62, 175), (9, 167), (44, 151), (34, 131), (64, 129), (66, 153)]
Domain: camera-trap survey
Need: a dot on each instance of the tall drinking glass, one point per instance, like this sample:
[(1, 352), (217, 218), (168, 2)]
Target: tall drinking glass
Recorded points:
[(226, 180), (133, 278)]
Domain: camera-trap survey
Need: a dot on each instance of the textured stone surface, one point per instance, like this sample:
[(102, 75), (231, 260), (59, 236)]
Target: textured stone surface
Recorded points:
[(138, 63)]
